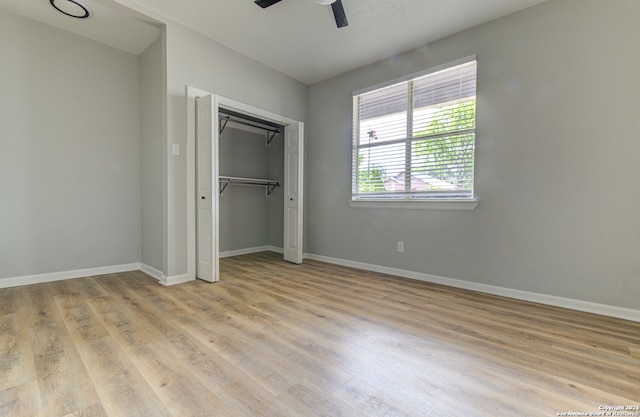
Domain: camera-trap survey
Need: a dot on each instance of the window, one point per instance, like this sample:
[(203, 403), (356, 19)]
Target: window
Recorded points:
[(413, 139)]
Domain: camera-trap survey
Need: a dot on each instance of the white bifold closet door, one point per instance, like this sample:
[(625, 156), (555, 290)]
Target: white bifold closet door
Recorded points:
[(293, 193), (207, 194)]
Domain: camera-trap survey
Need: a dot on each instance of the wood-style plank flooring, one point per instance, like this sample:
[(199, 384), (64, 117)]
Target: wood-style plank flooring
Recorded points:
[(276, 339)]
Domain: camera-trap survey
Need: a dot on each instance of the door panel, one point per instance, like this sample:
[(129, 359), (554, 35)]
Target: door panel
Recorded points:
[(207, 186), (293, 169)]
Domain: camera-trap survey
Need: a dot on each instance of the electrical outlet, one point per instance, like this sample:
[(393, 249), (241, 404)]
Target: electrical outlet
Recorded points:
[(400, 246)]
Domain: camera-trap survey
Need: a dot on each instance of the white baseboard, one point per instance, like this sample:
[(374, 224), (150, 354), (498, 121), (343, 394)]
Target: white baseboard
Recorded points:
[(176, 279), (62, 275), (275, 249), (151, 271), (164, 280), (90, 272), (247, 251), (586, 306)]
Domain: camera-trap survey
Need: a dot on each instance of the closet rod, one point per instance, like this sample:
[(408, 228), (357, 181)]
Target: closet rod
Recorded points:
[(271, 132), (269, 184)]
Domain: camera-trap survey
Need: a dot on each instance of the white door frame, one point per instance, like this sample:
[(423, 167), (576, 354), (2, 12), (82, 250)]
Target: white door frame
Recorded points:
[(192, 93)]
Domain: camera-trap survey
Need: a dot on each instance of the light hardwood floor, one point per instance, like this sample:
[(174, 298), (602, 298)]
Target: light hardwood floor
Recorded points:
[(276, 339)]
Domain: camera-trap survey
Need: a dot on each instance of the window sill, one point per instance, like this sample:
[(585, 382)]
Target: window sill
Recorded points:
[(449, 204)]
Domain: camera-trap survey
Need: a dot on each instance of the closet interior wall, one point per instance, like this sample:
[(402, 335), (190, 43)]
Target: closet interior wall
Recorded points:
[(248, 218)]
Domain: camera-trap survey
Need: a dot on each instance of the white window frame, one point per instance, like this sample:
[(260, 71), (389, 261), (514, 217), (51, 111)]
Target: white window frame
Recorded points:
[(441, 203)]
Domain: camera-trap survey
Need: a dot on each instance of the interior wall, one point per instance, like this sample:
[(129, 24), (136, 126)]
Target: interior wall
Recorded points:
[(151, 158), (557, 144), (69, 151), (244, 210), (194, 60)]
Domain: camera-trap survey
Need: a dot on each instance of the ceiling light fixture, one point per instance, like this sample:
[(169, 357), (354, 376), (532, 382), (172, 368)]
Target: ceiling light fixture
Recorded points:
[(336, 7), (72, 8)]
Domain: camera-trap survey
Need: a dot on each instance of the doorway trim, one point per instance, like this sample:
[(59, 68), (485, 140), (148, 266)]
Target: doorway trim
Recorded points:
[(192, 93)]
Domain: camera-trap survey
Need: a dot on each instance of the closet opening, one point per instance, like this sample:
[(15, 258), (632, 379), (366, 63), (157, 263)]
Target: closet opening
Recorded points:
[(248, 166), (251, 174)]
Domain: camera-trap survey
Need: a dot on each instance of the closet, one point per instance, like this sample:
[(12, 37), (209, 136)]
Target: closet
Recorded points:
[(248, 182), (250, 179)]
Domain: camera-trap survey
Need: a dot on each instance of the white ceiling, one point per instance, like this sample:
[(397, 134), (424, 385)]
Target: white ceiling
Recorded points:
[(296, 37)]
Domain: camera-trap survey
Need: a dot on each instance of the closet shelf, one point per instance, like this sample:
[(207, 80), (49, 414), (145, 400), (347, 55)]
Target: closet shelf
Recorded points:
[(225, 181), (271, 132)]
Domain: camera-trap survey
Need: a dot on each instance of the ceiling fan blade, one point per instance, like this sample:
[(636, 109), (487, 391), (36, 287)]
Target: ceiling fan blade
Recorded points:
[(266, 3), (339, 14)]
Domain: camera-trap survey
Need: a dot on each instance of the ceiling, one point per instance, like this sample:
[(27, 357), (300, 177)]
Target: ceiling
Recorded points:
[(296, 37)]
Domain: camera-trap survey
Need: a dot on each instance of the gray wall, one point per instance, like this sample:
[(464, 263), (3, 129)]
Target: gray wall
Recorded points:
[(556, 167), (69, 151), (152, 139)]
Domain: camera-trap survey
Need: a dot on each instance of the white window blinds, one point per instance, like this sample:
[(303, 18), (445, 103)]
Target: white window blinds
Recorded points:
[(414, 139)]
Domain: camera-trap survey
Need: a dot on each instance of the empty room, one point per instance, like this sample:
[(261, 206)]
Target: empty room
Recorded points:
[(319, 208)]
